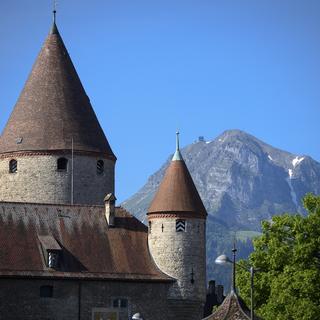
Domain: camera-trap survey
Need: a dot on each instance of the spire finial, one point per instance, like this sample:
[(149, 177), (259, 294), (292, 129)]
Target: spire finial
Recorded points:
[(177, 155), (54, 10), (54, 29), (177, 141), (234, 252)]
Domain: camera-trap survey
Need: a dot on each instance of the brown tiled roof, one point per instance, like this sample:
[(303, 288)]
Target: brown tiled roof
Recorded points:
[(89, 249), (232, 308), (53, 108), (177, 192)]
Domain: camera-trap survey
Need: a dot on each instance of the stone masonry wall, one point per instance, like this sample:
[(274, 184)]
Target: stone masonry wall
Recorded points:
[(81, 300), (37, 180), (181, 255)]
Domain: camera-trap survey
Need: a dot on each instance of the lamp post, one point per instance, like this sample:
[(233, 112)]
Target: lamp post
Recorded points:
[(223, 259), (137, 316)]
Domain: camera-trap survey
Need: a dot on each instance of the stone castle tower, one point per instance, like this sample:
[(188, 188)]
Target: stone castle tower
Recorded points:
[(53, 149), (177, 226)]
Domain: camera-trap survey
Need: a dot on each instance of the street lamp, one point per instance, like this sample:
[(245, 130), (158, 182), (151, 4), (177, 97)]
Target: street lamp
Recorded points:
[(223, 259), (137, 316)]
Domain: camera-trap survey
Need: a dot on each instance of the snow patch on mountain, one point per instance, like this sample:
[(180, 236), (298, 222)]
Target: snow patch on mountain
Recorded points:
[(297, 160)]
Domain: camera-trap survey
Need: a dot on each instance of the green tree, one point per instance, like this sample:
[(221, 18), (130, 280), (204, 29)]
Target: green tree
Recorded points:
[(287, 255)]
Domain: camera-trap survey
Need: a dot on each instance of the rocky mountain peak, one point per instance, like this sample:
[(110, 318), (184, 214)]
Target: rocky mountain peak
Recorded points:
[(241, 179)]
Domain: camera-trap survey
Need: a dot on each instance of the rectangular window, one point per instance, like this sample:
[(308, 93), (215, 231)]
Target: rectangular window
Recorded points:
[(46, 291), (120, 303), (53, 259), (123, 303), (115, 303)]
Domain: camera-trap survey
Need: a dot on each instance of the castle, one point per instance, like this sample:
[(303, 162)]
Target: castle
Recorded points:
[(66, 250)]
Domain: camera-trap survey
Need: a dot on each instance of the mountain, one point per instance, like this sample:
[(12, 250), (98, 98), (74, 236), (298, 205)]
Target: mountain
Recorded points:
[(242, 181)]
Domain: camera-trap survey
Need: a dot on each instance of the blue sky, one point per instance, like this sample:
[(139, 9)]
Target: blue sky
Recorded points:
[(203, 66)]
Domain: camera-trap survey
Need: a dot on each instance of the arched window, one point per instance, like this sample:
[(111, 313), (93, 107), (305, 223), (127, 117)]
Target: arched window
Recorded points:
[(100, 167), (13, 166), (62, 164)]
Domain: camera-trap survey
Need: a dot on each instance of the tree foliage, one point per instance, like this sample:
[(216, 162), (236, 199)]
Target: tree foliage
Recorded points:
[(287, 255)]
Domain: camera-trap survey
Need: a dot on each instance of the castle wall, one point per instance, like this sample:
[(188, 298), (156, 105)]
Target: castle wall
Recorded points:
[(20, 300), (37, 180), (181, 255)]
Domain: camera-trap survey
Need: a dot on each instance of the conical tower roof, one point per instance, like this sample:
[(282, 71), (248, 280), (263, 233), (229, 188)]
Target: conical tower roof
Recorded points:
[(53, 108), (177, 192), (232, 308)]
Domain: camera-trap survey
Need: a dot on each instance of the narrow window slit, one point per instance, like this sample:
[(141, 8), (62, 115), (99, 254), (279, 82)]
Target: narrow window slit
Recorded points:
[(13, 166), (180, 225), (100, 167), (62, 164)]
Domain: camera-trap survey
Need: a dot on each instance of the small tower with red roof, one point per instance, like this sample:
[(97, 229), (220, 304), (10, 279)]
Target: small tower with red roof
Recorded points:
[(177, 242)]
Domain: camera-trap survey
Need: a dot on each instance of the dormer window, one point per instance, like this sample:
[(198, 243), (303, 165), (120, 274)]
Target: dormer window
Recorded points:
[(100, 167), (51, 251), (13, 166), (62, 164)]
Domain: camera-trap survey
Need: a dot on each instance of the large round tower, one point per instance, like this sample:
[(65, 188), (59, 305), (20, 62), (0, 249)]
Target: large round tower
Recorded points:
[(53, 149), (177, 242)]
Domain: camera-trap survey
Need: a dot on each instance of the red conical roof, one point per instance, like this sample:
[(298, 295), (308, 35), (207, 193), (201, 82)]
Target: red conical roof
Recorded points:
[(177, 192), (53, 108)]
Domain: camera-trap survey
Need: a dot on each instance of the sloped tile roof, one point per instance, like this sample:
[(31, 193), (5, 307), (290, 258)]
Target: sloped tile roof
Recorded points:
[(90, 250)]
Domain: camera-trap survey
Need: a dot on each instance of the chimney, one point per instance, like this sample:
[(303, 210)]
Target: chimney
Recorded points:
[(212, 287), (219, 293), (109, 203)]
